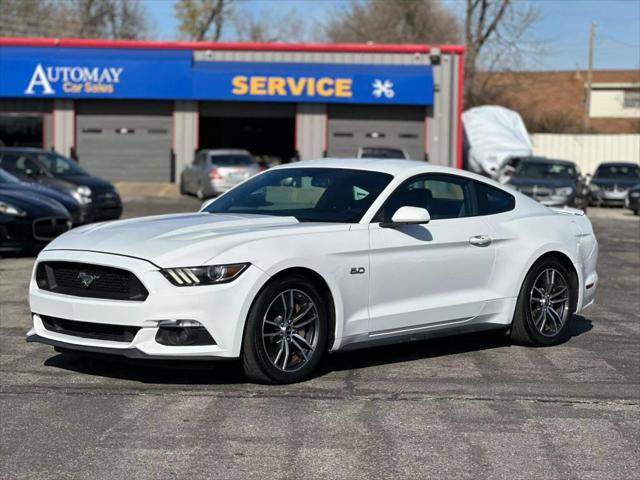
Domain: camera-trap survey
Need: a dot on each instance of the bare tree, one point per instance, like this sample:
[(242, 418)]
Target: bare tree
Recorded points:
[(74, 18), (267, 26), (384, 21), (202, 19), (494, 36)]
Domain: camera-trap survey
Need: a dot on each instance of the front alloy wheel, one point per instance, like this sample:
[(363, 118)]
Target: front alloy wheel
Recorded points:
[(286, 332), (290, 330)]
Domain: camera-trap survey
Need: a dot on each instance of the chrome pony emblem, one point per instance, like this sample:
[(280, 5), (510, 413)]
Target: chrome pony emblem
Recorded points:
[(87, 279)]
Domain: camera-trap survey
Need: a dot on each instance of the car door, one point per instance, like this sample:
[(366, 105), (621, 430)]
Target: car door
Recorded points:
[(435, 273)]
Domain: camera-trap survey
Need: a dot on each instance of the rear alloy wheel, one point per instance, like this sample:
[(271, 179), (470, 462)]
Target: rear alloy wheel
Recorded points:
[(545, 305), (549, 302), (286, 332)]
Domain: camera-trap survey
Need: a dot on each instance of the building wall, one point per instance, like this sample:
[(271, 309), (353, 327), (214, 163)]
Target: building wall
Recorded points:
[(441, 135), (588, 151), (609, 102), (554, 101)]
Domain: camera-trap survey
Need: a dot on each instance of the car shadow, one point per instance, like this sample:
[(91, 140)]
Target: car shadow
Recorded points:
[(186, 372)]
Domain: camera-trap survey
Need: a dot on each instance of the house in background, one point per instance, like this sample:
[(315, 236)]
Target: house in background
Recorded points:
[(555, 101)]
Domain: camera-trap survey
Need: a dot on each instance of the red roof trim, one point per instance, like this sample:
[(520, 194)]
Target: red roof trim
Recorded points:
[(239, 46)]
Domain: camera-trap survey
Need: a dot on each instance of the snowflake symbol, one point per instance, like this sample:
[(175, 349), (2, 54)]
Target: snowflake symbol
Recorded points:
[(383, 88)]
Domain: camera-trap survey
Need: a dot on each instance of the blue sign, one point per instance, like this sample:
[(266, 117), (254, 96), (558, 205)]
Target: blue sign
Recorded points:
[(56, 72)]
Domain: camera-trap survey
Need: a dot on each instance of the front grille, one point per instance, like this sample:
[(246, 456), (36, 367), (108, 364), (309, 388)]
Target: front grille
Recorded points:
[(50, 228), (100, 331), (94, 281), (536, 192)]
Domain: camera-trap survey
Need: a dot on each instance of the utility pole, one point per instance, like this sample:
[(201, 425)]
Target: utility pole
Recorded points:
[(587, 102)]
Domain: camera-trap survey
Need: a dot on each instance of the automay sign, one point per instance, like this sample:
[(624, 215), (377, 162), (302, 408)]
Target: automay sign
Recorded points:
[(73, 79), (69, 72)]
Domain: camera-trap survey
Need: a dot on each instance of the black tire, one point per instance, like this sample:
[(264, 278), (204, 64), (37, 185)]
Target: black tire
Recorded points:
[(256, 361), (182, 190), (524, 330)]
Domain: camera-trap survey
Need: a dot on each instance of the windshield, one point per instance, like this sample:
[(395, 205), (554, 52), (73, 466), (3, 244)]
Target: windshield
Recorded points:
[(372, 152), (617, 171), (550, 171), (308, 194), (232, 160), (59, 165), (6, 177)]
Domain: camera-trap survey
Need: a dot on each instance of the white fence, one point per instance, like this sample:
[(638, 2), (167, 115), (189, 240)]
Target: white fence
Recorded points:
[(588, 151)]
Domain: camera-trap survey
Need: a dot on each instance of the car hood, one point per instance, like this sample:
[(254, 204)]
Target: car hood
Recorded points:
[(96, 184), (542, 182), (34, 205), (65, 199), (180, 240), (621, 181)]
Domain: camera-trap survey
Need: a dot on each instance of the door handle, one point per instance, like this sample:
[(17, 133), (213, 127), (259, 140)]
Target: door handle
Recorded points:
[(480, 240)]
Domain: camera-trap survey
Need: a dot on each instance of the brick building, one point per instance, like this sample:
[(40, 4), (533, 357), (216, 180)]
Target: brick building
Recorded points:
[(555, 101)]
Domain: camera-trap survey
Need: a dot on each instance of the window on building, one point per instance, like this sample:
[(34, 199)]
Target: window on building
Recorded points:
[(631, 99)]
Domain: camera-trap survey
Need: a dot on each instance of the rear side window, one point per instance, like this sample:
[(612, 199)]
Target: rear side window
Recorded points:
[(492, 200), (232, 160)]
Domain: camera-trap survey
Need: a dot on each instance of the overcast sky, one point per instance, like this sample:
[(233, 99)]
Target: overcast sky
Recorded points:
[(563, 29)]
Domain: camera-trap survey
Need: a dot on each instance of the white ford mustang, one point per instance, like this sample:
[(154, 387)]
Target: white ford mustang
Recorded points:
[(316, 257)]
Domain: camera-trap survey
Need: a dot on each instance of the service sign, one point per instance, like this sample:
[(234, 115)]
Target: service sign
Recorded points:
[(54, 72)]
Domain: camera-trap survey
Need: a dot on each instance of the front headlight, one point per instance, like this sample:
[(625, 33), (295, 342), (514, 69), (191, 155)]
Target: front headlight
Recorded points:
[(8, 209), (207, 275), (80, 197), (84, 191), (564, 191)]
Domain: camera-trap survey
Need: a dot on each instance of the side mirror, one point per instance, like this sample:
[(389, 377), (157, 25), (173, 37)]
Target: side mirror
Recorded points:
[(408, 216)]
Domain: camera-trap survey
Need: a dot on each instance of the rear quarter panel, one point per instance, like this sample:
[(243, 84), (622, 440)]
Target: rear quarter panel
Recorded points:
[(522, 236)]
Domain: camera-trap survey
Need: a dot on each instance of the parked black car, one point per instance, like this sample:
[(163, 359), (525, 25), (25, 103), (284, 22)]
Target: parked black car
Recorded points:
[(633, 199), (29, 221), (54, 170), (554, 183), (611, 182), (79, 213)]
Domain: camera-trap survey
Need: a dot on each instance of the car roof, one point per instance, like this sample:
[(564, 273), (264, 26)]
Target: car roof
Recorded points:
[(24, 149), (618, 164), (547, 160), (225, 151), (393, 167)]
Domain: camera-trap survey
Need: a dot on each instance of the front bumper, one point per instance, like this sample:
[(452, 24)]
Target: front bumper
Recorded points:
[(23, 234), (221, 309), (605, 197)]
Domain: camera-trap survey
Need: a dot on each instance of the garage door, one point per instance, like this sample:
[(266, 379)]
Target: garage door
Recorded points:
[(125, 140), (352, 127)]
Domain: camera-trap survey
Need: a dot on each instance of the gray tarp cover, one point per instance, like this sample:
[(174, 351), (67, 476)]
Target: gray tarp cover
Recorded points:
[(495, 134)]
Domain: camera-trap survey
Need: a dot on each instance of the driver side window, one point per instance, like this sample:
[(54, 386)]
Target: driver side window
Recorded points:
[(443, 196)]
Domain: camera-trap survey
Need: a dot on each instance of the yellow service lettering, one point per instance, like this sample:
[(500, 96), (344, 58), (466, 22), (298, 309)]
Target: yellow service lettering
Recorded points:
[(258, 85), (324, 87), (295, 86), (239, 85), (343, 87), (275, 86), (311, 87)]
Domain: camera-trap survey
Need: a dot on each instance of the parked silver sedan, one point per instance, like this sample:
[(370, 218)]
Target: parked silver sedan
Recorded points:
[(215, 171)]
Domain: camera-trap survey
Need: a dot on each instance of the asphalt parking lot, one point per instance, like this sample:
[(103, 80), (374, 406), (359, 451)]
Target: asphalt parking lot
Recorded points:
[(466, 407)]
